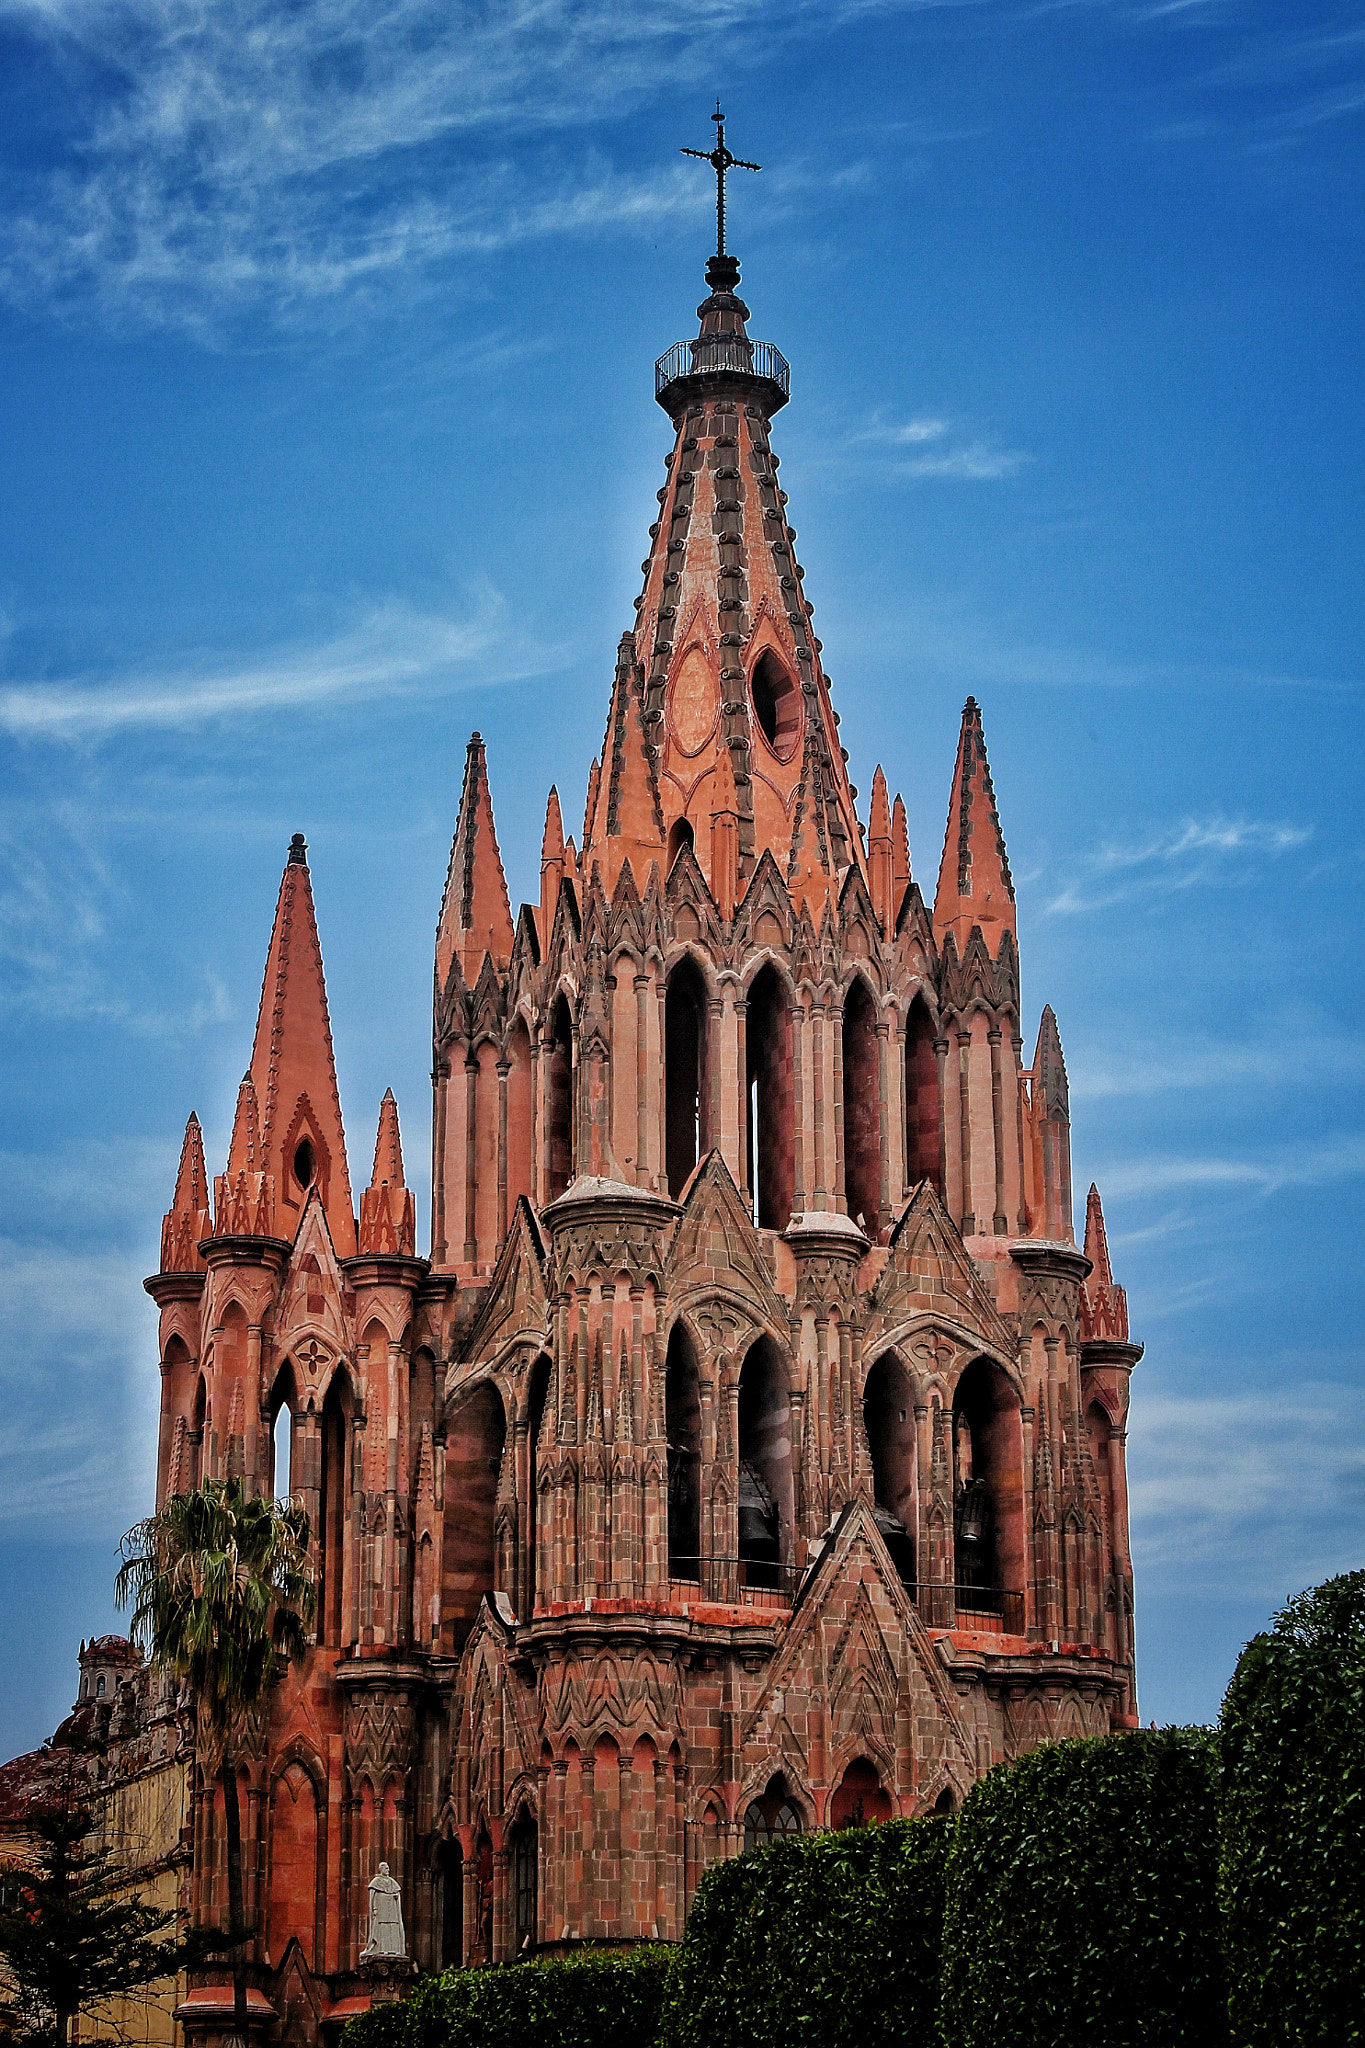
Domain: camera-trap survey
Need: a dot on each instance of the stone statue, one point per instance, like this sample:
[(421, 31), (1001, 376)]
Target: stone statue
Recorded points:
[(386, 1936)]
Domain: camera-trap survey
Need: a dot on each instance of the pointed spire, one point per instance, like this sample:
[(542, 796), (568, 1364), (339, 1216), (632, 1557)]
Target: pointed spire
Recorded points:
[(387, 1215), (244, 1149), (243, 1204), (187, 1220), (1049, 1067), (626, 821), (551, 866), (974, 882), (476, 915), (900, 856), (590, 804), (625, 1406), (293, 1069), (1050, 1112), (880, 853), (1104, 1304)]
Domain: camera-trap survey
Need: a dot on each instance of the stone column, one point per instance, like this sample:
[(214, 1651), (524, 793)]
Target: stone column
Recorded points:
[(471, 1098), (999, 1224), (964, 1109), (642, 1080), (884, 1118)]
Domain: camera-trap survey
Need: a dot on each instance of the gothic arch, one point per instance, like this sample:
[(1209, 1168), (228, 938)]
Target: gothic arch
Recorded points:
[(862, 1103), (766, 1508), (769, 1100), (687, 1065), (476, 1436), (683, 1431), (889, 1418), (988, 1478), (923, 1105)]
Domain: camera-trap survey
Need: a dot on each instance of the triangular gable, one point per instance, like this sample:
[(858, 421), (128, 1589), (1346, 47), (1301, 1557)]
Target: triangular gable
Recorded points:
[(928, 1268), (716, 1232), (857, 1651), (311, 1301), (516, 1298)]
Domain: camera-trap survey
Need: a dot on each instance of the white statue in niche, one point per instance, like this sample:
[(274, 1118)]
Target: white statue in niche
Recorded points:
[(386, 1936)]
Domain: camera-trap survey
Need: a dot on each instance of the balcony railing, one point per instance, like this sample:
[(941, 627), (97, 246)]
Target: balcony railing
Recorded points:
[(992, 1610), (733, 1581), (709, 353)]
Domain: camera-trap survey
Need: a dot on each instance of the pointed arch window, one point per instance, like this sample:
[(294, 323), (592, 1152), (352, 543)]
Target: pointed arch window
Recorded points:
[(686, 1015), (777, 702), (770, 1162), (679, 835), (921, 1098), (772, 1816), (682, 1405), (560, 1134), (862, 1108)]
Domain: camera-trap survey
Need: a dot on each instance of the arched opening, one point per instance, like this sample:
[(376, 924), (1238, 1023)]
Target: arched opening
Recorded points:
[(305, 1164), (921, 1098), (770, 1817), (685, 1073), (524, 1886), (483, 1896), (679, 835), (561, 1100), (535, 1414), (988, 1484), (770, 1159), (861, 1798), (682, 1424), (474, 1447), (1097, 1427), (765, 1465), (889, 1414), (520, 1118), (777, 702), (282, 1400), (862, 1109), (450, 1873), (945, 1803), (333, 1512), (199, 1417), (293, 1864)]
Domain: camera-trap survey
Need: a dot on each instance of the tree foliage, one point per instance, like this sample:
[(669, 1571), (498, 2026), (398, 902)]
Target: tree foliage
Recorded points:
[(69, 1942), (1082, 1899), (1292, 1866), (597, 1998), (221, 1591), (816, 1939)]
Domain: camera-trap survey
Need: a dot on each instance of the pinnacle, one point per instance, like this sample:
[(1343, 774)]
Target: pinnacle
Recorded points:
[(302, 1142), (900, 852), (187, 1220), (552, 845), (879, 823), (191, 1184), (388, 1149), (244, 1149), (1096, 1241), (476, 915), (974, 882)]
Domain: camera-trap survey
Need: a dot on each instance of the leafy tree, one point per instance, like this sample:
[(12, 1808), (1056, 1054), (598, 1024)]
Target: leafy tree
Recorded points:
[(221, 1590), (1292, 1850), (69, 1944), (1082, 1899)]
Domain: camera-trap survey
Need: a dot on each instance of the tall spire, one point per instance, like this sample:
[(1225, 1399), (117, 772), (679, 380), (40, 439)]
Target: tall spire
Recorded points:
[(387, 1218), (627, 821), (293, 1071), (1104, 1304), (974, 882), (476, 916), (551, 865), (880, 853), (187, 1220)]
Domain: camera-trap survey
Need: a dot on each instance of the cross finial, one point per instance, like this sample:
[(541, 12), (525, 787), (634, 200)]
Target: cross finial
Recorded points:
[(721, 161)]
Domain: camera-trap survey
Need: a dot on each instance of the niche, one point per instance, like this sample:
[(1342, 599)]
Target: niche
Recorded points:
[(561, 1119), (862, 1134), (921, 1098), (682, 1423), (474, 1447)]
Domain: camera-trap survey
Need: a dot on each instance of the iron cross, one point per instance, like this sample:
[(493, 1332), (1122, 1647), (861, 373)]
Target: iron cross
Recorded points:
[(721, 161)]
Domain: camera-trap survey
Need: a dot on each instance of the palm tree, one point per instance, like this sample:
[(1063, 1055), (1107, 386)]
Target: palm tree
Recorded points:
[(221, 1591)]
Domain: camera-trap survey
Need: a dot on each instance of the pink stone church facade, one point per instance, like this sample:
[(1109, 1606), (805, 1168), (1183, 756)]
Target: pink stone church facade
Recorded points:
[(747, 1452)]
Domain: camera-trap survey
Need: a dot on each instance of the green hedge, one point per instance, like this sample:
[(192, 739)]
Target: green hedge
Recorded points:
[(1293, 1824), (1082, 1899), (816, 1939), (597, 1998)]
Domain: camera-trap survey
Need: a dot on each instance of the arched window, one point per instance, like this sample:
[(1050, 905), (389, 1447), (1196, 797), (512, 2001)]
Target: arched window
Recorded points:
[(536, 1393), (283, 1447), (450, 1866), (921, 1098), (524, 1886), (293, 1864), (889, 1413), (861, 1798), (196, 1474), (679, 835), (768, 1119), (333, 1513), (945, 1803), (772, 1816), (988, 1480), (682, 1405), (777, 702), (474, 1447), (862, 1114), (561, 1119), (685, 1073), (520, 1120), (765, 1465)]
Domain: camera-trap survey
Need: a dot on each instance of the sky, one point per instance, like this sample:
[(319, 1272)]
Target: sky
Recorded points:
[(327, 435)]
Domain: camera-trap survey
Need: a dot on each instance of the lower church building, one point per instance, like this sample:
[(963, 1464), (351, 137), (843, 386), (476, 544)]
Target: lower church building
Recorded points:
[(746, 1455)]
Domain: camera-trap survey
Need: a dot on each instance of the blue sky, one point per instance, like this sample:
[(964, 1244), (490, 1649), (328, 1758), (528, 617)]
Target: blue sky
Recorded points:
[(327, 434)]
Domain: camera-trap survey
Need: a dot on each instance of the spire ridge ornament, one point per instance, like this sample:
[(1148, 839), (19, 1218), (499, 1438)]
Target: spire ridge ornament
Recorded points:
[(721, 161)]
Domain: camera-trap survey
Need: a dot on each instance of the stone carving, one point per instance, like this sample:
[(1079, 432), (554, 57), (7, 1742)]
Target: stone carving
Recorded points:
[(386, 1937)]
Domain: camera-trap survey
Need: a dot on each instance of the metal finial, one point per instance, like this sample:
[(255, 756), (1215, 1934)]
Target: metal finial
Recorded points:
[(721, 161)]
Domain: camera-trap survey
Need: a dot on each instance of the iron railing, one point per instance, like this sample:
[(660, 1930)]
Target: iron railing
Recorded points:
[(991, 1610), (722, 352), (733, 1581)]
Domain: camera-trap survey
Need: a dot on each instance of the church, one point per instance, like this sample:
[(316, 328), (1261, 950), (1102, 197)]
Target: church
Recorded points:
[(746, 1453)]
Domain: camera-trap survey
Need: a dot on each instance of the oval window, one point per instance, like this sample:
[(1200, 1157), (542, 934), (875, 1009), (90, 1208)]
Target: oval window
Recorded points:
[(777, 702), (305, 1163)]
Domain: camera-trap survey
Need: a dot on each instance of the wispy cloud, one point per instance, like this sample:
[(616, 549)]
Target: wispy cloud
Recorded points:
[(391, 650), (1307, 1052), (945, 449), (1178, 857), (1247, 1493), (1307, 1164)]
